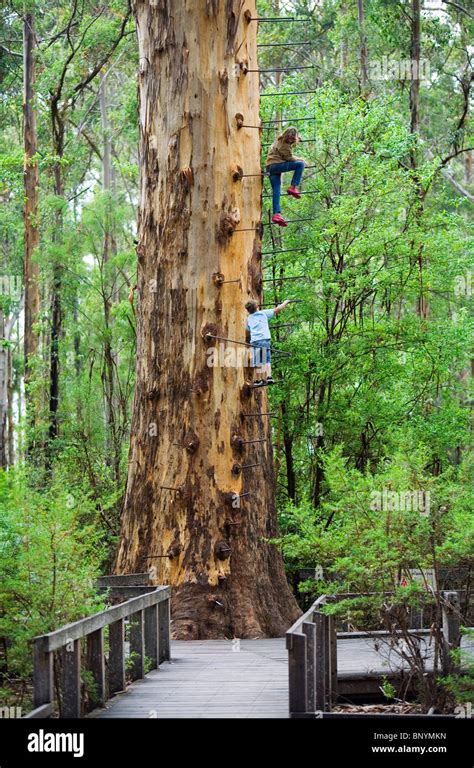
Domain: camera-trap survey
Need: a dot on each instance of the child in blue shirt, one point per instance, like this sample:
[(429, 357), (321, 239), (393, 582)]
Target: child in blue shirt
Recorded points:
[(258, 334)]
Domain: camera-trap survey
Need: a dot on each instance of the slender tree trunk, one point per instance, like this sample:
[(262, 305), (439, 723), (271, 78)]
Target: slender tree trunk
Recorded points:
[(56, 310), (4, 366), (113, 446), (10, 418), (363, 53), (415, 52), (188, 418), (31, 185), (288, 446), (343, 48)]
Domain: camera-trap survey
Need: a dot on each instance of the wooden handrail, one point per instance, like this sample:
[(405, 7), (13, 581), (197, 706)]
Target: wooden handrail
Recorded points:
[(149, 636), (312, 651)]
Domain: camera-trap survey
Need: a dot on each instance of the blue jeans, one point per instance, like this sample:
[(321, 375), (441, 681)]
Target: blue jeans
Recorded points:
[(275, 170), (261, 353)]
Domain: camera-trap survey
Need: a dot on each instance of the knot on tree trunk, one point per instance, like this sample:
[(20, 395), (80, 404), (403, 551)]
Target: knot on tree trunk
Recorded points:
[(228, 223), (237, 172), (222, 550), (218, 278), (208, 332), (188, 177), (191, 441)]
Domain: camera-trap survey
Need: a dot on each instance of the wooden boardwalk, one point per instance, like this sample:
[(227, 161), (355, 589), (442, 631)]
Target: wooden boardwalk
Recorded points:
[(211, 678), (237, 679)]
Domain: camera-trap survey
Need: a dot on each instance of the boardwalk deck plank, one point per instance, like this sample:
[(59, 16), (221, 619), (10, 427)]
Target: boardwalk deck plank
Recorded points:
[(208, 679)]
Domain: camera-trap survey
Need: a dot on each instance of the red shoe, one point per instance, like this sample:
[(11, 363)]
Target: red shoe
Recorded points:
[(277, 218), (293, 191)]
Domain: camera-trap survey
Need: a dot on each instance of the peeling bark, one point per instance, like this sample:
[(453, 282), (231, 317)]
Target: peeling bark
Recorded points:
[(227, 579)]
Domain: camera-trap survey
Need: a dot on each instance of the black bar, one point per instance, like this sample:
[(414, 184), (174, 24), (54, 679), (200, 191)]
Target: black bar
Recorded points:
[(231, 341), (301, 141), (287, 45), (270, 279), (282, 69), (293, 221), (287, 120), (306, 168), (286, 93), (275, 18), (310, 192), (267, 413), (265, 174), (285, 250), (293, 301)]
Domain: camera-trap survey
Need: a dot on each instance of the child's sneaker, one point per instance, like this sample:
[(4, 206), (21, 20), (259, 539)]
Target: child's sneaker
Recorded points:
[(277, 218), (270, 380), (294, 192)]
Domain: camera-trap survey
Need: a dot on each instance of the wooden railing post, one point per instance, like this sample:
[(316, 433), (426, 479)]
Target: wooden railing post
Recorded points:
[(327, 665), (451, 628), (309, 630), (42, 674), (71, 679), (332, 629), (151, 635), (297, 661), (137, 646), (321, 663), (96, 666), (116, 657), (164, 630)]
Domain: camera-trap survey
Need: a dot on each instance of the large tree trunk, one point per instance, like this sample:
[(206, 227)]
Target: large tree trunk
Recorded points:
[(31, 184), (227, 579)]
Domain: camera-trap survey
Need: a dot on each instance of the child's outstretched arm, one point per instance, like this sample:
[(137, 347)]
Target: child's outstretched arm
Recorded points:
[(281, 306)]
